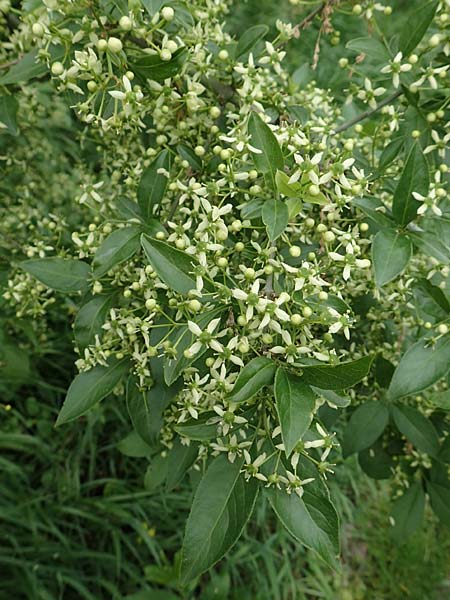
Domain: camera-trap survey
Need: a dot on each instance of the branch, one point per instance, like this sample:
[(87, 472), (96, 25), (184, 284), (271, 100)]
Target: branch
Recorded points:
[(368, 113)]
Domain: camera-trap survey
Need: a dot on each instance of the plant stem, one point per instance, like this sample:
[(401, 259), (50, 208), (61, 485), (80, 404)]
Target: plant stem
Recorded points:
[(368, 113)]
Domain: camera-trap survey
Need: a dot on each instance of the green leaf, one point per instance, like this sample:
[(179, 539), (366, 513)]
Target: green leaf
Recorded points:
[(188, 154), (417, 26), (118, 247), (181, 457), (174, 267), (152, 185), (292, 190), (390, 152), (369, 46), (158, 399), (332, 398), (275, 216), (407, 512), (90, 387), (422, 365), (440, 501), (152, 67), (198, 429), (441, 400), (26, 68), (431, 244), (249, 39), (295, 404), (384, 370), (269, 158), (156, 472), (89, 320), (417, 429), (391, 252), (60, 274), (133, 445), (139, 411), (256, 374), (375, 211), (434, 294), (375, 461), (311, 520), (414, 178), (339, 377), (366, 425), (8, 114), (222, 505)]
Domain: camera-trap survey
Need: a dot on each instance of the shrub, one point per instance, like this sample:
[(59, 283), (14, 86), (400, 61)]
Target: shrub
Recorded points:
[(247, 257)]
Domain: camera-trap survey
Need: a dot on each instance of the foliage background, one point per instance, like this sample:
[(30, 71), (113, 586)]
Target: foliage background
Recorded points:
[(76, 515)]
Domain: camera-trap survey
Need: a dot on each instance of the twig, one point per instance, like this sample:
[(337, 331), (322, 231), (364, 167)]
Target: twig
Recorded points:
[(9, 64), (307, 20), (368, 113)]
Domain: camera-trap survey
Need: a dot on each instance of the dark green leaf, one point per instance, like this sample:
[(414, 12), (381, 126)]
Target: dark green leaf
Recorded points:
[(384, 370), (311, 520), (366, 425), (390, 152), (90, 387), (152, 67), (391, 252), (422, 365), (181, 457), (337, 377), (275, 216), (414, 178), (26, 68), (269, 158), (128, 209), (60, 274), (8, 114), (256, 374), (188, 154), (139, 411), (89, 320), (375, 461), (198, 429), (295, 404), (174, 267), (222, 505), (249, 39), (417, 429), (407, 512), (118, 247), (440, 501), (417, 26), (152, 185)]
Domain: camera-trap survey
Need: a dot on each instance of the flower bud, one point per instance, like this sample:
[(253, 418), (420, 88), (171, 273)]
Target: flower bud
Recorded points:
[(114, 45), (167, 13), (125, 23)]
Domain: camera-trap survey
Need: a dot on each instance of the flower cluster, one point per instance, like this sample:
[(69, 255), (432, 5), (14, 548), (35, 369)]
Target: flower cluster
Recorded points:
[(254, 199)]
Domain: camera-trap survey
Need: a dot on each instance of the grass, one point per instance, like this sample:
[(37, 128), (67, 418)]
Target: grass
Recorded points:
[(77, 522)]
